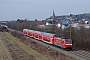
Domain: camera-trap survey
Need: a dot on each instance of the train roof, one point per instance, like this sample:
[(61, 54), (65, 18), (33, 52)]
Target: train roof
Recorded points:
[(34, 31), (48, 34), (30, 30), (44, 33), (63, 38), (25, 29), (37, 32)]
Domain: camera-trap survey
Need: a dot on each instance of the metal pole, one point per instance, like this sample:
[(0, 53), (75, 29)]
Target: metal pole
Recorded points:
[(70, 31)]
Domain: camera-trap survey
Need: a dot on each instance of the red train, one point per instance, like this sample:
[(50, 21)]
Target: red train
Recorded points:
[(49, 38)]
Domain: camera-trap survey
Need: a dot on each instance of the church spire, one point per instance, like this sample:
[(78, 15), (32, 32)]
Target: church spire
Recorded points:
[(53, 17)]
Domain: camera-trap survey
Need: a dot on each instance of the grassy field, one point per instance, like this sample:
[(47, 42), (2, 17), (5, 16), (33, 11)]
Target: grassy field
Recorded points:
[(26, 48)]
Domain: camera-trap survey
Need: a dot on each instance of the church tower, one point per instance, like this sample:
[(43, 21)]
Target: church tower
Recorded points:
[(53, 17)]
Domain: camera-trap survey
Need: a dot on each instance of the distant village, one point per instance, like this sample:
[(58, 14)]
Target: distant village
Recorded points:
[(65, 21), (76, 21)]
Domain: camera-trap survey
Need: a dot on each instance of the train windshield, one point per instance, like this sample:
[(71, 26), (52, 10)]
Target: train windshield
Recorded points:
[(68, 40)]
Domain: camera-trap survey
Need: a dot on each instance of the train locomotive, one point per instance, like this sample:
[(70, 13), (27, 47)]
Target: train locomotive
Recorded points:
[(49, 38)]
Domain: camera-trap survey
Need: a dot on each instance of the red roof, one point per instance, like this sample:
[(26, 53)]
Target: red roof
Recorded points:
[(41, 23)]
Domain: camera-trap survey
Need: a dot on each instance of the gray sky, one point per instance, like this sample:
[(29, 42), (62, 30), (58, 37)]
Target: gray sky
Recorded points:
[(41, 9)]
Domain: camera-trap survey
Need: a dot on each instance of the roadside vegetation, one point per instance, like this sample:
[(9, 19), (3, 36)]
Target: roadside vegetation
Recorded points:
[(26, 48), (49, 53), (12, 50), (80, 38)]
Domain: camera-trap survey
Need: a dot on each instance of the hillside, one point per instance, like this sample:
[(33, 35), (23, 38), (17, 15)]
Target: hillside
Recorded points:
[(72, 17), (13, 49)]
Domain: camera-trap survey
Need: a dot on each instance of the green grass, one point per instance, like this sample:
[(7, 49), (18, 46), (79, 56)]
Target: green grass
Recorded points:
[(26, 48), (5, 37)]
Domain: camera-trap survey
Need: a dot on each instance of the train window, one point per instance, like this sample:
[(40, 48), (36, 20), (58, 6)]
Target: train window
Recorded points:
[(68, 40)]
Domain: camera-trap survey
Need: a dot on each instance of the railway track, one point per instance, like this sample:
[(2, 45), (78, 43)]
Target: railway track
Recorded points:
[(76, 54), (81, 53)]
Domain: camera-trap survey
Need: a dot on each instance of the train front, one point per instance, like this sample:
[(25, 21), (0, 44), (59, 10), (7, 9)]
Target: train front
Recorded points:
[(68, 43)]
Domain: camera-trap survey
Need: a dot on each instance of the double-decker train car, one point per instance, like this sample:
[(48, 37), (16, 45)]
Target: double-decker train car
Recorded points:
[(37, 35), (30, 33), (49, 38)]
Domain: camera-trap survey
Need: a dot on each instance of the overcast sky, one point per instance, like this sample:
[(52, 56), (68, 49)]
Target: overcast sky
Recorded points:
[(41, 9)]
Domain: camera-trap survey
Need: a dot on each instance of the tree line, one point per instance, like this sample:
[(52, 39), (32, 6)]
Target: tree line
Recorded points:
[(80, 38)]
